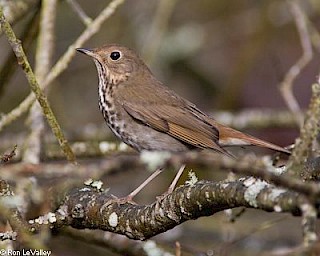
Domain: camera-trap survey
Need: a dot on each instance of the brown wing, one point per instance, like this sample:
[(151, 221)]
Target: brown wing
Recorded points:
[(159, 107), (178, 122)]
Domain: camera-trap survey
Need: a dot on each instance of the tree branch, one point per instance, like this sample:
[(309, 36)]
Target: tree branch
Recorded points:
[(15, 10), (44, 53), (62, 63), (309, 131), (42, 99), (88, 207), (307, 53)]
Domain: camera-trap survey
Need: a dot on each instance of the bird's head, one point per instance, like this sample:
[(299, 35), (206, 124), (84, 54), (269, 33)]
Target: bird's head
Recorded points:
[(114, 62)]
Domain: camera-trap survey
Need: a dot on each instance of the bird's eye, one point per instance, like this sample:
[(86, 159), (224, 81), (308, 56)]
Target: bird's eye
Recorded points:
[(115, 55)]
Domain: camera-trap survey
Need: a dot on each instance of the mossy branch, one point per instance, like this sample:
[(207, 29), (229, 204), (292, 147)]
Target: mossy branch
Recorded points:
[(42, 99)]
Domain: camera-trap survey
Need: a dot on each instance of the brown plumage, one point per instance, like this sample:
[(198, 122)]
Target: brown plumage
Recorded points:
[(147, 115)]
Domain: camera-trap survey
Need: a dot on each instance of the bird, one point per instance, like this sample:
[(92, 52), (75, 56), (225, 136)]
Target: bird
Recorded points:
[(147, 115)]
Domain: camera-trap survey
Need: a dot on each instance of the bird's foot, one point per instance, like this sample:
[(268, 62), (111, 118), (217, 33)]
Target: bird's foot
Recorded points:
[(124, 200)]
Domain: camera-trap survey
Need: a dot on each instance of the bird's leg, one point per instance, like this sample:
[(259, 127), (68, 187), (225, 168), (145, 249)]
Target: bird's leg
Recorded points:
[(129, 198), (145, 183), (173, 183), (176, 179)]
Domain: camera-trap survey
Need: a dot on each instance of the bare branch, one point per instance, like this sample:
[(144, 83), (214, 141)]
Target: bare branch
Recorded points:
[(15, 10), (256, 118), (157, 29), (89, 208), (42, 99), (309, 131), (115, 242), (63, 62), (45, 49), (78, 10), (27, 37), (309, 218), (9, 211), (294, 71), (249, 165)]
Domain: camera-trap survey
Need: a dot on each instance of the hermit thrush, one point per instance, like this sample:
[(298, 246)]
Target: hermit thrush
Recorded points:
[(147, 115)]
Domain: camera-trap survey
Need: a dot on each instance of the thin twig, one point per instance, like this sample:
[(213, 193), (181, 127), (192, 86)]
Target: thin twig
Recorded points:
[(27, 37), (315, 36), (256, 119), (78, 10), (252, 166), (178, 249), (294, 71), (117, 243), (10, 212), (16, 10), (44, 52), (42, 99), (63, 62), (157, 29)]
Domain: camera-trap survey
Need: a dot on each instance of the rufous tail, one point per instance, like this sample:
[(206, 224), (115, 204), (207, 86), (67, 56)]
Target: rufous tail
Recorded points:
[(230, 137)]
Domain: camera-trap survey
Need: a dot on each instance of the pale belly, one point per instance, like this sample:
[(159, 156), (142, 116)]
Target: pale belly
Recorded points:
[(140, 136)]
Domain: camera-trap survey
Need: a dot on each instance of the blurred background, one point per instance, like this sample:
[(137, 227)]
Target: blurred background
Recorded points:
[(219, 55)]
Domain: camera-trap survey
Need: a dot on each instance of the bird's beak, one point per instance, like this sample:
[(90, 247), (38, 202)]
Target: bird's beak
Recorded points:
[(88, 52)]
